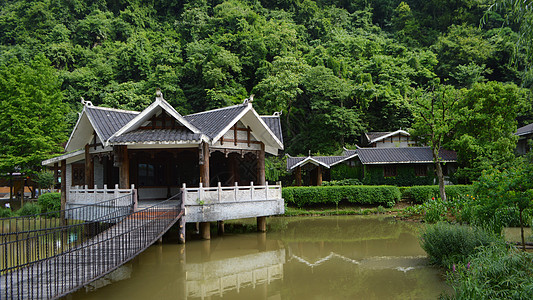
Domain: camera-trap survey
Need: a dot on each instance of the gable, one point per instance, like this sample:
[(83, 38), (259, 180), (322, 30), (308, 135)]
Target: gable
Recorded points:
[(159, 115)]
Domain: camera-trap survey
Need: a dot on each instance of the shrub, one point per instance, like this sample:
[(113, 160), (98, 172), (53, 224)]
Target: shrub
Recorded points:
[(422, 193), (50, 202), (303, 196), (29, 209), (346, 181), (447, 244), (494, 272), (5, 212)]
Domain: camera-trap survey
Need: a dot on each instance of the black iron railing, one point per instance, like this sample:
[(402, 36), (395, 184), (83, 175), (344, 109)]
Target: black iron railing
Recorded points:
[(47, 256)]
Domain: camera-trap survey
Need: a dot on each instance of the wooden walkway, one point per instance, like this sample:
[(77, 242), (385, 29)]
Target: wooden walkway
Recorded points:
[(57, 276)]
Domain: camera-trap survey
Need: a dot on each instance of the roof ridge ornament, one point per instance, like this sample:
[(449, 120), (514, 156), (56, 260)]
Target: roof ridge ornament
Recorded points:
[(158, 94), (249, 100), (85, 103)]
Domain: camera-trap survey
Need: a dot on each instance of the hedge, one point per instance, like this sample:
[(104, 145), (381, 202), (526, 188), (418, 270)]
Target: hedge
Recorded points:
[(307, 195), (422, 193)]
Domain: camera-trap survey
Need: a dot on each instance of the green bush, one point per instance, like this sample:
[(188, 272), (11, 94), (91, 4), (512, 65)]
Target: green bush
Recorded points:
[(343, 171), (5, 212), (494, 272), (447, 244), (405, 176), (29, 209), (50, 202), (346, 181), (308, 195), (422, 193)]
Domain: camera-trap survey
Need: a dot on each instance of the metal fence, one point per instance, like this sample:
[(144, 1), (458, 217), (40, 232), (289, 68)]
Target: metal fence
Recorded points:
[(47, 256)]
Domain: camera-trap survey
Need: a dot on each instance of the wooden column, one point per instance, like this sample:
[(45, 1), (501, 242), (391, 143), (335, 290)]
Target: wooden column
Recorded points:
[(56, 175), (63, 189), (319, 175), (261, 166), (298, 175), (261, 224), (123, 163), (204, 164), (89, 169)]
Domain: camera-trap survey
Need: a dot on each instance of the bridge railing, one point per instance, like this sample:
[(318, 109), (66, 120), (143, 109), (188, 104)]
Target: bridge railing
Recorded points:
[(46, 256)]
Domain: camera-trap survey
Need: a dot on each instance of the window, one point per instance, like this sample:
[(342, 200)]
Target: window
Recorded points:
[(78, 174), (146, 175), (389, 171), (421, 170)]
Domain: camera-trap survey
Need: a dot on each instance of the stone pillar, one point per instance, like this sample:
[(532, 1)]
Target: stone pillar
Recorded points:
[(205, 230), (181, 222), (298, 175), (220, 226), (123, 163), (89, 169), (261, 224), (261, 166), (204, 163), (319, 175)]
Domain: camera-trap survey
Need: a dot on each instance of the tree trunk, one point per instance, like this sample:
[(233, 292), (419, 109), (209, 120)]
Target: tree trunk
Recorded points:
[(440, 175), (522, 230)]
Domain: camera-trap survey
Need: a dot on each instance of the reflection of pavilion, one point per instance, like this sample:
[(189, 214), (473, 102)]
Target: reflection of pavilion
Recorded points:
[(217, 277), (232, 265)]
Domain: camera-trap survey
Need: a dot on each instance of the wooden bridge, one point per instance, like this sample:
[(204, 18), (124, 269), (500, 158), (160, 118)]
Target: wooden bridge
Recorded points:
[(45, 258)]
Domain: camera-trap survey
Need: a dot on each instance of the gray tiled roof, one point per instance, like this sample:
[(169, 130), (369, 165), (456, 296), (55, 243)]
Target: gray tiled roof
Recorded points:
[(348, 152), (291, 161), (108, 121), (273, 122), (374, 135), (402, 155), (156, 135), (213, 122), (525, 130), (329, 160), (326, 160)]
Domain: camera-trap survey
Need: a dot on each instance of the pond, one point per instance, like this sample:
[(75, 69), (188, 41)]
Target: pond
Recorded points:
[(348, 257)]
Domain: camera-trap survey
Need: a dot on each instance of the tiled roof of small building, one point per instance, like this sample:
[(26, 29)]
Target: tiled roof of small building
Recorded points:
[(213, 122), (292, 161), (402, 155), (107, 120), (274, 123), (157, 136), (327, 161), (374, 135), (525, 130)]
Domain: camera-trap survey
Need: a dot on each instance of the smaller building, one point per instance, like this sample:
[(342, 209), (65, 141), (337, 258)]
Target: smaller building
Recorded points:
[(374, 166), (391, 139), (525, 135)]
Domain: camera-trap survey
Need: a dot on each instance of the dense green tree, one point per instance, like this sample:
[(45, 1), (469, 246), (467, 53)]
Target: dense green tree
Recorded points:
[(32, 115), (333, 67), (486, 122)]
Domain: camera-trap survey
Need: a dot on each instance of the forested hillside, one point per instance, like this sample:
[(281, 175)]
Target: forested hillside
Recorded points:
[(334, 68)]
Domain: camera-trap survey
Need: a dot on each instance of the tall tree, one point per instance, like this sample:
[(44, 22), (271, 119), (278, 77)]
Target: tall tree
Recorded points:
[(434, 120), (486, 122), (32, 114)]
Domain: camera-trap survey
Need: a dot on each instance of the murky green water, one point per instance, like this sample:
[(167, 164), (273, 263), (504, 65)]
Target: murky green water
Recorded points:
[(348, 257)]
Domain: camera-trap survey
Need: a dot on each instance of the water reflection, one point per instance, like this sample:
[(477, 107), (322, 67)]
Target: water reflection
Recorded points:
[(299, 258)]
